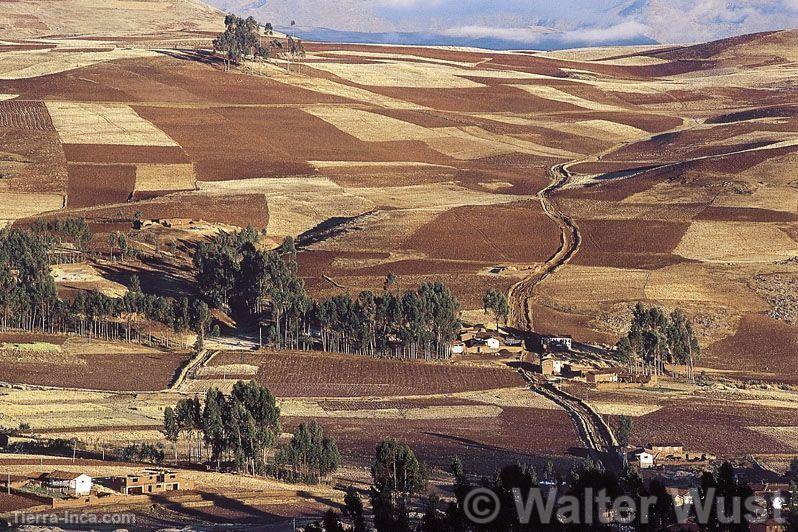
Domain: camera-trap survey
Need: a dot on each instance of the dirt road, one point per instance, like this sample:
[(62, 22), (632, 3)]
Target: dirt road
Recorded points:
[(596, 435), (520, 294)]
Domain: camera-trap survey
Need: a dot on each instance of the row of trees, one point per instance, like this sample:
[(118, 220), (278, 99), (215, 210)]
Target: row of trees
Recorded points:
[(656, 338), (69, 230), (233, 274), (242, 427)]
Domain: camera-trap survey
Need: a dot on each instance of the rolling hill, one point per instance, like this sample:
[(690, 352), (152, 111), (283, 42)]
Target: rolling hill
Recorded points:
[(42, 18)]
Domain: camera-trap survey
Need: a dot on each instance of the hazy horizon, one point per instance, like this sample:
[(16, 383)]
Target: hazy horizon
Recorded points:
[(522, 23)]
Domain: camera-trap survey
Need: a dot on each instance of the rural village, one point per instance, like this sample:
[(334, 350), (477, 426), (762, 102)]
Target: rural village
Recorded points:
[(255, 282)]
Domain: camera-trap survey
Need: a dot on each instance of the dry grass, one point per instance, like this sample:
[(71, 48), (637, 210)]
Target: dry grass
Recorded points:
[(332, 88), (598, 53), (691, 282), (372, 127), (475, 143), (550, 93), (585, 286), (104, 123), (16, 205), (460, 143), (624, 409), (668, 192), (775, 198), (299, 204), (395, 56), (785, 435), (401, 74), (83, 276), (35, 63), (736, 242), (621, 131), (165, 177)]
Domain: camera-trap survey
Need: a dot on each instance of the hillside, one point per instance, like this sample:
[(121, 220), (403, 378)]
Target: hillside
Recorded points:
[(40, 18)]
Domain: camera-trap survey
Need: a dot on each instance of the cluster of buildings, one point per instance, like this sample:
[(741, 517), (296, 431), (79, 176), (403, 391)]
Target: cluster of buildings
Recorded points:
[(478, 340), (64, 488), (660, 455)]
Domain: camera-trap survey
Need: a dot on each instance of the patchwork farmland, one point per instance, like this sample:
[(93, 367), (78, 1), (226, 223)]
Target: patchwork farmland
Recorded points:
[(579, 183)]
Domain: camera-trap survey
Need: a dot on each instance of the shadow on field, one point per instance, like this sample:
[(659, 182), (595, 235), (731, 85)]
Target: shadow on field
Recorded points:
[(196, 56), (232, 510)]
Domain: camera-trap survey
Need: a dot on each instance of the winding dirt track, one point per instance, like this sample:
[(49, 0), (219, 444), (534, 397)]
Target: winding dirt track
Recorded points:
[(520, 293)]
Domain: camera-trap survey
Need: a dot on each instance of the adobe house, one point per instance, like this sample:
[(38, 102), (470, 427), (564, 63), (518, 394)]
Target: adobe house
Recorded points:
[(149, 481), (550, 366), (681, 496), (67, 482), (598, 376), (664, 451)]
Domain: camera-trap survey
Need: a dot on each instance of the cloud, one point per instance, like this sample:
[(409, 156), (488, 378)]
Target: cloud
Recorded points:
[(679, 21), (625, 31), (619, 32)]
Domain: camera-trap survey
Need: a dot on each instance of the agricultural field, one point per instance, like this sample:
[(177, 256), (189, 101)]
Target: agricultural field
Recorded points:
[(579, 182)]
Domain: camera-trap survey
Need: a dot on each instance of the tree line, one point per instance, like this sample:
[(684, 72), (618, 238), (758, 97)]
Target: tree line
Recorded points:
[(400, 502), (656, 338), (241, 428), (233, 274), (29, 299)]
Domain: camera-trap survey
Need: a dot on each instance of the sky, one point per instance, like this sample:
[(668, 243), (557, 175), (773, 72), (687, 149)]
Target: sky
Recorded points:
[(533, 23)]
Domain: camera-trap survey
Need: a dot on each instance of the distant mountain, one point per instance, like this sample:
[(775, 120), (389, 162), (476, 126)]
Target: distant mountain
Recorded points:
[(39, 18), (571, 22), (551, 40)]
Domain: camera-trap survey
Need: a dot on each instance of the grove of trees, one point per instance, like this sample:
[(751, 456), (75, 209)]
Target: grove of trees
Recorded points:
[(656, 338), (242, 427), (233, 274), (495, 302), (241, 37)]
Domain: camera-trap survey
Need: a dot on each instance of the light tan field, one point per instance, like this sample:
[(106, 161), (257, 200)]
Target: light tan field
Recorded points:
[(786, 435), (736, 242), (372, 127), (38, 18), (163, 177), (99, 123), (557, 95), (764, 197), (15, 205), (35, 63), (401, 74)]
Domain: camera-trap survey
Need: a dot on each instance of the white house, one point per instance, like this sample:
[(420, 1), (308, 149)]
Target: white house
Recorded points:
[(458, 348), (556, 343), (66, 482), (681, 496), (493, 342), (645, 460)]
